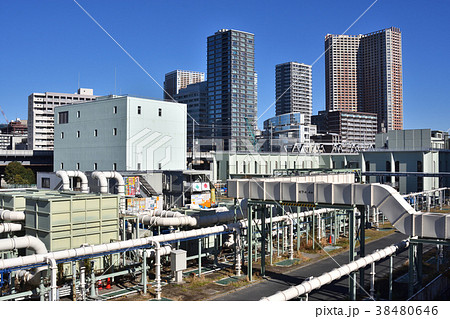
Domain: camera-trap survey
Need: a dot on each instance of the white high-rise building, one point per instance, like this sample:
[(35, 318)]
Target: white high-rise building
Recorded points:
[(41, 115), (176, 80)]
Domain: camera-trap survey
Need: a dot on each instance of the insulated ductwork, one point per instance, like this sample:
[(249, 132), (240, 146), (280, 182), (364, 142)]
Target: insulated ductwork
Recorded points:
[(12, 216), (326, 278), (26, 242), (10, 227), (401, 215), (65, 176)]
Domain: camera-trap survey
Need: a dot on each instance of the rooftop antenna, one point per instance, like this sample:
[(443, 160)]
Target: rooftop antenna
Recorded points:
[(78, 80)]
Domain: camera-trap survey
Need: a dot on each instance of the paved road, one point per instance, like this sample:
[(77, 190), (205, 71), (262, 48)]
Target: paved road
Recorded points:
[(334, 291)]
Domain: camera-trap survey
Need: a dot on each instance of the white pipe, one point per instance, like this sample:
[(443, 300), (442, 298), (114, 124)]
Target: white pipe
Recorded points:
[(128, 244), (65, 175), (26, 242), (82, 281), (53, 268), (157, 269), (12, 216), (102, 180), (335, 274), (65, 179), (10, 227), (179, 219), (23, 242)]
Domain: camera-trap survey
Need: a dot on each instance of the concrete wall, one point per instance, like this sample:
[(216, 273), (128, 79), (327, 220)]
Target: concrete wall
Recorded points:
[(404, 139)]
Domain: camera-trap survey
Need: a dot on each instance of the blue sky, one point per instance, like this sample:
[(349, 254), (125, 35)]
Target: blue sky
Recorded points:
[(49, 45)]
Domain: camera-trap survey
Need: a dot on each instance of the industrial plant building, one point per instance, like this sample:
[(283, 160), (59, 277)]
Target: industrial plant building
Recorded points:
[(120, 133)]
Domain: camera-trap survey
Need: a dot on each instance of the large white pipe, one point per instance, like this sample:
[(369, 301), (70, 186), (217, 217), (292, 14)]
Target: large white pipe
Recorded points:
[(65, 175), (65, 179), (102, 180), (10, 227), (26, 242), (122, 245), (103, 176), (12, 216), (23, 242), (53, 269), (335, 274)]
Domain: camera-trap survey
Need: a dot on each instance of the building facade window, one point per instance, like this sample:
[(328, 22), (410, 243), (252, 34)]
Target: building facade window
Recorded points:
[(114, 167), (63, 117), (78, 166), (78, 114), (159, 112), (95, 132), (95, 166), (78, 134), (62, 135), (114, 132), (114, 109), (139, 109), (45, 181)]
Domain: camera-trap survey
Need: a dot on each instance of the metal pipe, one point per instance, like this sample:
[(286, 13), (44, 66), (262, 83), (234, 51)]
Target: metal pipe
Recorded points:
[(335, 274)]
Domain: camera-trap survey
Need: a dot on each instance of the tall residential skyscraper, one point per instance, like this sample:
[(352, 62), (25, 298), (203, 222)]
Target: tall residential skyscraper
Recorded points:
[(178, 79), (364, 73), (231, 87), (294, 89), (41, 115)]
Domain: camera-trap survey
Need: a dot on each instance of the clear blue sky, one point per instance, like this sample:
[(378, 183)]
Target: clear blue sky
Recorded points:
[(47, 45)]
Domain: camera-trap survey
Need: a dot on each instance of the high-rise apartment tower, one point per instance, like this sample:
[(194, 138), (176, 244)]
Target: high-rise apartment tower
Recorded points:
[(363, 73), (41, 115), (178, 79), (231, 87), (293, 89)]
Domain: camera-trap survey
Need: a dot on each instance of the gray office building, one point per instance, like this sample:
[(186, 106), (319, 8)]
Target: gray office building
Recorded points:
[(195, 96), (231, 88), (293, 89)]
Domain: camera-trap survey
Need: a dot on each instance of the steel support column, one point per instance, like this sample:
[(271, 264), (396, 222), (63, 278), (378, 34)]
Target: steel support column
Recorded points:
[(249, 243), (262, 211), (362, 244), (351, 238)]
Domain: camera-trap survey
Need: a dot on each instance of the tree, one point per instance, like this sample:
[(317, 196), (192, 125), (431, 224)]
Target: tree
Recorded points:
[(15, 173)]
